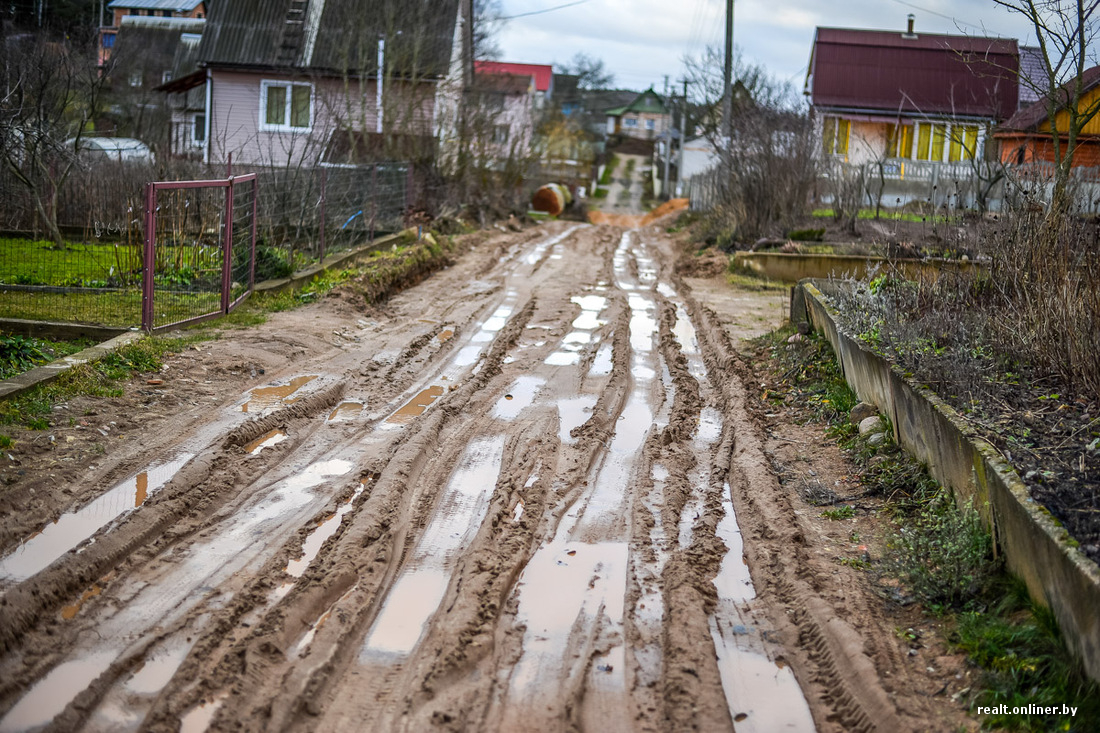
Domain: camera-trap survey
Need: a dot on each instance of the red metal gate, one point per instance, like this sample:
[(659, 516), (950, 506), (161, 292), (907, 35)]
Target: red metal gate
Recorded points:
[(200, 249)]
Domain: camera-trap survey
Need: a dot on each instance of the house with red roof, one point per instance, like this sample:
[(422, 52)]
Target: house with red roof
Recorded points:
[(541, 74), (1026, 137), (880, 94)]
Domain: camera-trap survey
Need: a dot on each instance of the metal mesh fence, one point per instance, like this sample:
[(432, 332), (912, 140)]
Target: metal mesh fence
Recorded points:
[(94, 275)]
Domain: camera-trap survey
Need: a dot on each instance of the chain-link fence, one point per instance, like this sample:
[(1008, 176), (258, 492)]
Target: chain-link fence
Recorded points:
[(92, 276)]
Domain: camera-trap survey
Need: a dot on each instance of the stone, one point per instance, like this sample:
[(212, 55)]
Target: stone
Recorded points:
[(877, 439), (861, 412), (870, 425), (796, 338)]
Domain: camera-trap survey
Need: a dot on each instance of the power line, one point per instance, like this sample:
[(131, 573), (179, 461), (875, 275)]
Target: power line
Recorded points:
[(547, 10), (941, 15)]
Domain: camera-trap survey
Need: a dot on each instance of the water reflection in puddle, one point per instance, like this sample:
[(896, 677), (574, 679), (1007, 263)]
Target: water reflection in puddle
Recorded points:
[(520, 396), (198, 718), (264, 399), (346, 411), (415, 407), (55, 539), (315, 539), (563, 358), (601, 365), (419, 589), (269, 439), (572, 413), (52, 693)]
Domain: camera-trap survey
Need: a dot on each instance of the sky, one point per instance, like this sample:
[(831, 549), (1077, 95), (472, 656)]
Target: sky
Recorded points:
[(640, 41)]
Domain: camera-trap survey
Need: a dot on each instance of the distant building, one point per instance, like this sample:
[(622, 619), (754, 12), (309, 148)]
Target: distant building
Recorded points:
[(1026, 137), (543, 75), (122, 9), (920, 96), (644, 118)]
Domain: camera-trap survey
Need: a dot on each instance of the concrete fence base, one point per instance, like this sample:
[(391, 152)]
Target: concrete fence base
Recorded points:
[(1035, 545)]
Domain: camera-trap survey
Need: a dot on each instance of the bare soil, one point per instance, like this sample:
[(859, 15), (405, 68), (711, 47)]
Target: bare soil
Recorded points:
[(534, 492)]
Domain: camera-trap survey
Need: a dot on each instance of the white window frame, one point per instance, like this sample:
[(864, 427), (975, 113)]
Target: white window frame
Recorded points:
[(631, 122), (267, 84), (651, 124)]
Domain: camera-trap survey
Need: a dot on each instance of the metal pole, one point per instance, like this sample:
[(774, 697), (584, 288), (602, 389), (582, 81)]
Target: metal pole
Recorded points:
[(378, 91), (683, 139), (373, 198), (255, 210), (324, 180), (727, 94), (148, 269), (227, 261)]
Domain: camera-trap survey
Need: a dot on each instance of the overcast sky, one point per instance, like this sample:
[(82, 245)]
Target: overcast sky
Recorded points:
[(641, 41)]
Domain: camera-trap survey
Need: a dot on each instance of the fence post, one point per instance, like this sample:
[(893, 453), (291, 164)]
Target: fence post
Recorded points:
[(410, 192), (324, 183), (148, 269), (255, 210), (227, 242), (373, 198)]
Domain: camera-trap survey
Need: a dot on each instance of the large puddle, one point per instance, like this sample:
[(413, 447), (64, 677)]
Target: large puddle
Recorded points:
[(521, 395), (262, 400), (39, 706), (415, 407), (419, 588), (55, 539)]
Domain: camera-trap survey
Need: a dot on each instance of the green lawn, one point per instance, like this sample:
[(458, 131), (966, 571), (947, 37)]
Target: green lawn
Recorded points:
[(29, 262)]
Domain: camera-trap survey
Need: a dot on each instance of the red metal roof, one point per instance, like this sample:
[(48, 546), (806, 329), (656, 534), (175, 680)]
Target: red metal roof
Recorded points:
[(543, 74), (924, 74)]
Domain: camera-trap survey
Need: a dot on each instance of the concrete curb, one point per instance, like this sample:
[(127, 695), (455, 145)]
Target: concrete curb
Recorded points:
[(1035, 545), (794, 267), (341, 259), (20, 383)]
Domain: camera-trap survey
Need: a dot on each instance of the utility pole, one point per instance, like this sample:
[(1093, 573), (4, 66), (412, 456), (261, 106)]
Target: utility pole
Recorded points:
[(727, 97), (683, 139), (378, 86)]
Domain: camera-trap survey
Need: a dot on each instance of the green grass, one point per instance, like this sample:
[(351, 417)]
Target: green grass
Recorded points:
[(609, 170), (99, 378), (37, 262), (888, 214), (19, 354), (844, 512)]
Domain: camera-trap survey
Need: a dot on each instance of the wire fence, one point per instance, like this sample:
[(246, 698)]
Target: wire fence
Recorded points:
[(92, 276)]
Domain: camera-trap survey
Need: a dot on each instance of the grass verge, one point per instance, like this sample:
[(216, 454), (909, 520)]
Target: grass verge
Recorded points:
[(939, 555)]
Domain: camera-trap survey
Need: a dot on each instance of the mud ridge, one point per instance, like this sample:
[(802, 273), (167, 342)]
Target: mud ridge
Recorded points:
[(203, 484), (307, 407)]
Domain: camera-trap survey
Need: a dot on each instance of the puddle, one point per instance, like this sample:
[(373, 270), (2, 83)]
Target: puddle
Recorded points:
[(601, 365), (346, 411), (307, 638), (684, 331), (666, 290), (591, 307), (642, 323), (55, 539), (572, 413), (445, 336), (264, 399), (69, 612), (198, 719), (315, 539), (577, 337), (415, 407), (733, 580), (520, 396), (563, 358), (419, 589), (517, 513), (52, 694), (272, 438), (763, 696), (160, 665)]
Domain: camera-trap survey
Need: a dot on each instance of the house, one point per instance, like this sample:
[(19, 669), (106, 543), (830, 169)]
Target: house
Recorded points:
[(132, 9), (543, 75), (505, 110), (879, 94), (281, 77), (1026, 137), (644, 118), (150, 51)]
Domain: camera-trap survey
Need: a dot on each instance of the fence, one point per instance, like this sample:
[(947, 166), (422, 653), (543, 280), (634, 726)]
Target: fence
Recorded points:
[(94, 276), (199, 255), (961, 185)]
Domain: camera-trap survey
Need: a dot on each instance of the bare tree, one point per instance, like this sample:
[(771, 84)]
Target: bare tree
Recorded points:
[(1065, 31), (590, 72), (52, 91)]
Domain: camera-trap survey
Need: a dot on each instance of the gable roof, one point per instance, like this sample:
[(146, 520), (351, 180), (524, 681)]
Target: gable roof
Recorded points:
[(1031, 117), (925, 74), (335, 36), (604, 101), (543, 73), (503, 83), (153, 45), (648, 102)]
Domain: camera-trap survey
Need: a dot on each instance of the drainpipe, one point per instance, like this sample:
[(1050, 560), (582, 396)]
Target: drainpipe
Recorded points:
[(209, 116), (378, 91)]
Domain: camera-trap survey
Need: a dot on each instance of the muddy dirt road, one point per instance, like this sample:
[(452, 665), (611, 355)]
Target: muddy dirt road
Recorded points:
[(509, 500)]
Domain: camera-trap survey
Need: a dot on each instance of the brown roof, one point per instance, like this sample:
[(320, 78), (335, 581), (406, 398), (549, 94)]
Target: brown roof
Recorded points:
[(924, 74), (503, 83), (1029, 118)]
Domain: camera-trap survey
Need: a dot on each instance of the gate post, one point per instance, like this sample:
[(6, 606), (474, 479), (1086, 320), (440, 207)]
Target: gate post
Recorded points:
[(227, 240), (148, 266)]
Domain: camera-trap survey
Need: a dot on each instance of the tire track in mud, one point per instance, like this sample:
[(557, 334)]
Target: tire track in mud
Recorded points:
[(235, 440)]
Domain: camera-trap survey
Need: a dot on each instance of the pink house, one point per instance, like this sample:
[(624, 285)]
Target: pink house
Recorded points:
[(542, 74), (283, 76)]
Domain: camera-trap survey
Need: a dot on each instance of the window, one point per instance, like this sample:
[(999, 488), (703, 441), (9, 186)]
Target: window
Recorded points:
[(286, 106), (108, 40), (135, 78), (939, 134), (198, 129), (960, 142), (964, 142), (500, 134), (899, 141), (924, 139), (630, 122), (834, 136), (165, 77), (650, 124)]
